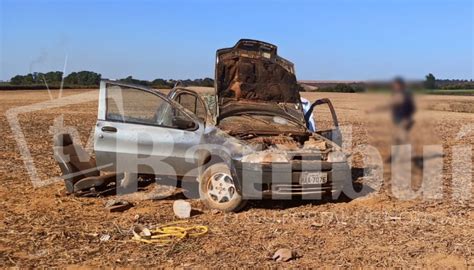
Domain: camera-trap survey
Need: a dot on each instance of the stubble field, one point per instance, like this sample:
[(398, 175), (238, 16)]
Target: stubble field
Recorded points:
[(41, 227)]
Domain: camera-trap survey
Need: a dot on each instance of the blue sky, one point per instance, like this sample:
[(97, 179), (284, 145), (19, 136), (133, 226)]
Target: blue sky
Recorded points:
[(326, 39)]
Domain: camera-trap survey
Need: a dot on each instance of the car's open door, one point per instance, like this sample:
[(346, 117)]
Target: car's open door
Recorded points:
[(331, 130), (192, 101), (140, 130)]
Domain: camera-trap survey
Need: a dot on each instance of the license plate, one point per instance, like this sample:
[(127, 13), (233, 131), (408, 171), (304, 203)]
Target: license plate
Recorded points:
[(313, 178)]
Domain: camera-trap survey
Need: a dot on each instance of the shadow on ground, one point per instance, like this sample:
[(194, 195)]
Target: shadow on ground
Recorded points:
[(150, 189)]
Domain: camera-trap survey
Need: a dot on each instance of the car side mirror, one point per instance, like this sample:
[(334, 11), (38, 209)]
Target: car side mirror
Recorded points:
[(184, 123)]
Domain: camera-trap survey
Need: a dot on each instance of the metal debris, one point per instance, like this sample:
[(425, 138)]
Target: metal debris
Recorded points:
[(117, 205)]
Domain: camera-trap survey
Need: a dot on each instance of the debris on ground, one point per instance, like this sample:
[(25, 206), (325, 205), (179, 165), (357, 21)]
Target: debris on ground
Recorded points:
[(182, 209), (284, 255), (140, 231), (316, 225), (104, 238), (118, 205), (215, 211), (167, 233), (67, 227)]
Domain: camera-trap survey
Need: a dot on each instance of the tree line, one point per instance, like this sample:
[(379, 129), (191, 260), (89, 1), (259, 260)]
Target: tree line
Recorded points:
[(90, 79), (432, 83), (162, 83), (87, 79), (81, 78)]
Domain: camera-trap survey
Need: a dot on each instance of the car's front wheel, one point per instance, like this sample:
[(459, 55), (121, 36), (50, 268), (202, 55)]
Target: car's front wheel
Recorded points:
[(217, 189)]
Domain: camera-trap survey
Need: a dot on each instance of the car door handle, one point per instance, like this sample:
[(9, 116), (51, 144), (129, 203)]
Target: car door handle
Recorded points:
[(109, 129)]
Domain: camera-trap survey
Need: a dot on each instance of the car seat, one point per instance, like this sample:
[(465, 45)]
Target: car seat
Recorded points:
[(78, 168)]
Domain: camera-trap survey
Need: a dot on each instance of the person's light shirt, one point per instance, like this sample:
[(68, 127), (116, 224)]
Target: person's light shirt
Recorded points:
[(306, 106)]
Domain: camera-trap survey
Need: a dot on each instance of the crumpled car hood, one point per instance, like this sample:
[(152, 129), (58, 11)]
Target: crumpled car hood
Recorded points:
[(275, 149), (252, 71)]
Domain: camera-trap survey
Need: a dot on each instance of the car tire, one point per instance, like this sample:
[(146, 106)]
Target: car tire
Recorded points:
[(217, 189)]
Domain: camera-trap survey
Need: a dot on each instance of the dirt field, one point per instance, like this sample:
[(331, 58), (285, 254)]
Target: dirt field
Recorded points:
[(43, 227)]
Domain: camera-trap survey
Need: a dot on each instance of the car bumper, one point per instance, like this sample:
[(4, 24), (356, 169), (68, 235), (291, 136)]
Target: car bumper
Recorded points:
[(282, 180)]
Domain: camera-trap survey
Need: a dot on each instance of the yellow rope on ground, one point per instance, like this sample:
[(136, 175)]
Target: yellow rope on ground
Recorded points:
[(166, 234)]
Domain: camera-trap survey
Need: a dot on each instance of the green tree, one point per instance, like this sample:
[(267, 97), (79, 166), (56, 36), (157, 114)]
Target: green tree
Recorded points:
[(87, 78), (343, 88), (53, 77), (207, 82), (17, 80), (430, 81), (132, 80), (160, 83)]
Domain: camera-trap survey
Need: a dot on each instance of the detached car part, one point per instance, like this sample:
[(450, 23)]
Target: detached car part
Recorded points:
[(78, 168)]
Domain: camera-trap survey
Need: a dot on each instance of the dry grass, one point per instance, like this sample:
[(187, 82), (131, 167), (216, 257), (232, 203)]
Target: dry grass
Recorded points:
[(42, 227)]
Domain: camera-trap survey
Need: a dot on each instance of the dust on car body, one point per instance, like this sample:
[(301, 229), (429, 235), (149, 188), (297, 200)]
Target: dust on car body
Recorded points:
[(254, 144)]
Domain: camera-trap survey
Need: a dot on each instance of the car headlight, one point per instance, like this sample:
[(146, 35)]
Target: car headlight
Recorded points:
[(336, 156)]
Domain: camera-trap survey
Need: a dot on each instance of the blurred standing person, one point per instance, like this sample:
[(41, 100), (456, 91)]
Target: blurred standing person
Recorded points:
[(403, 108)]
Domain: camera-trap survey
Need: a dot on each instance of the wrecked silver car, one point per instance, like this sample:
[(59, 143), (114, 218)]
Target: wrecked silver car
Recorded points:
[(254, 143)]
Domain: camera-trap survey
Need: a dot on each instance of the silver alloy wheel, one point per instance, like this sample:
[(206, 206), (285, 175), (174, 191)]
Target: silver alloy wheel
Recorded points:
[(221, 188)]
